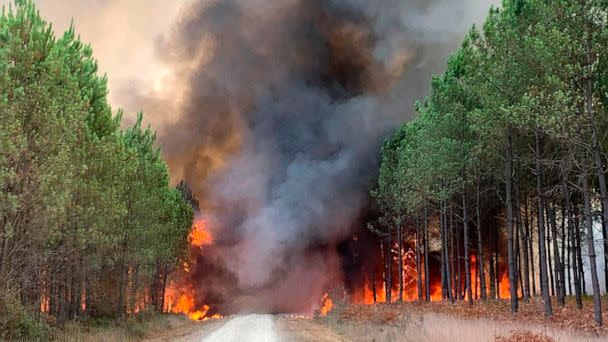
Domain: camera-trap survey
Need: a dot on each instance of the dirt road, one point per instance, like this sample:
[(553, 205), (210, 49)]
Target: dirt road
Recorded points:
[(253, 328)]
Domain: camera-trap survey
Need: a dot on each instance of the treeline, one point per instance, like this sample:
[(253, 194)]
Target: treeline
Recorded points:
[(510, 146), (89, 225)]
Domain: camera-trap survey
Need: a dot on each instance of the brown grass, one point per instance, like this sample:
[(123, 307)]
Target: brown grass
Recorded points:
[(567, 318), (489, 321), (132, 330), (525, 336)]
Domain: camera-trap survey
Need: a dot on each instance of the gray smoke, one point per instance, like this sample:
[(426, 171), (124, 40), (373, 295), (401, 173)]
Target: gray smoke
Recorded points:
[(286, 105)]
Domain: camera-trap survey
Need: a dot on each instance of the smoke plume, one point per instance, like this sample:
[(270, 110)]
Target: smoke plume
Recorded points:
[(282, 108)]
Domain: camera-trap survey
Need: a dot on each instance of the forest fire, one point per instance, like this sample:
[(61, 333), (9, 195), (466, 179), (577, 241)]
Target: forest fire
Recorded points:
[(200, 235), (374, 290), (327, 305), (180, 295)]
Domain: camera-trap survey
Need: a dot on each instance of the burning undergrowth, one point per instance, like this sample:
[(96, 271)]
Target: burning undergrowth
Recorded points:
[(282, 108)]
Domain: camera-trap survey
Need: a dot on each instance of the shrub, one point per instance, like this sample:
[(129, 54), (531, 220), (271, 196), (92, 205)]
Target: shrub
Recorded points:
[(18, 322)]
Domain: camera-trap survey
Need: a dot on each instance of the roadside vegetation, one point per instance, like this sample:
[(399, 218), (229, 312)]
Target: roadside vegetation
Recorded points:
[(89, 224)]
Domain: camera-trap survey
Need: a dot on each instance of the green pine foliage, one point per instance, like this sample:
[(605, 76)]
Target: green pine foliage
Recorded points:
[(536, 72), (87, 215)]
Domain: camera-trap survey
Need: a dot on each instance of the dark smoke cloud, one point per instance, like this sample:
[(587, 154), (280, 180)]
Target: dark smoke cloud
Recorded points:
[(285, 106)]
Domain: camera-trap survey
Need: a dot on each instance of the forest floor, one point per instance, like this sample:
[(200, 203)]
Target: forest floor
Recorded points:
[(489, 321)]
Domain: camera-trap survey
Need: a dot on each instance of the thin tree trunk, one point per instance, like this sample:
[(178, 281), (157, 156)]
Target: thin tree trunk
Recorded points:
[(591, 247), (510, 247), (544, 281), (491, 261), (482, 276), (579, 250), (467, 260), (497, 264), (373, 281), (460, 285), (575, 272), (561, 300), (418, 261), (454, 289), (400, 256), (427, 280), (529, 225), (447, 286), (526, 266), (389, 267), (549, 259), (563, 254)]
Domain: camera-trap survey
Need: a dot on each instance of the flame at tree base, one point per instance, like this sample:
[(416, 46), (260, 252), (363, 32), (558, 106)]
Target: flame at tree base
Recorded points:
[(179, 295)]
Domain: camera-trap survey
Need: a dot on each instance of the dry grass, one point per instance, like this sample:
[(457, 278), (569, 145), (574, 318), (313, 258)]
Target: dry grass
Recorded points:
[(525, 336), (567, 318), (132, 330), (488, 321)]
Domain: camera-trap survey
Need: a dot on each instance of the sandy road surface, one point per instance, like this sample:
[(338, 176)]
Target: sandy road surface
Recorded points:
[(255, 328)]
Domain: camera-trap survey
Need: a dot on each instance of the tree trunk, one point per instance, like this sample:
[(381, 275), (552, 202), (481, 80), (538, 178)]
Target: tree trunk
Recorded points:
[(454, 289), (373, 281), (427, 281), (389, 267), (491, 261), (445, 266), (400, 257), (526, 262), (572, 241), (563, 253), (548, 220), (529, 225), (467, 261), (482, 276), (597, 302), (497, 264), (544, 281), (418, 261), (579, 249), (561, 300), (510, 249)]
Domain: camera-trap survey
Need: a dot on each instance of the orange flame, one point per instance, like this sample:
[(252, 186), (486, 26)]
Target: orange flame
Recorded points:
[(327, 305), (200, 235), (365, 295), (180, 298)]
